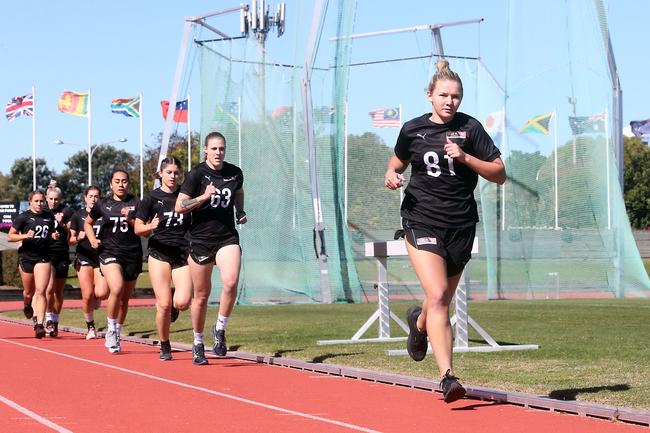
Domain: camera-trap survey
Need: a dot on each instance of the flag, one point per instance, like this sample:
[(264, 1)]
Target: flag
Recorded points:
[(180, 115), (587, 124), (73, 103), (538, 124), (385, 118), (20, 105), (128, 107), (640, 127), (230, 111), (495, 122), (282, 110)]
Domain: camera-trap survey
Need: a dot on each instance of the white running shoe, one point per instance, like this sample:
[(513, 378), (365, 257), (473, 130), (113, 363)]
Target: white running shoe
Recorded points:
[(113, 342), (92, 334)]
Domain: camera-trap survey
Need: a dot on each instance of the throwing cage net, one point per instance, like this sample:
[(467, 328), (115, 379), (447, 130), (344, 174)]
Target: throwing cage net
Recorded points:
[(558, 226)]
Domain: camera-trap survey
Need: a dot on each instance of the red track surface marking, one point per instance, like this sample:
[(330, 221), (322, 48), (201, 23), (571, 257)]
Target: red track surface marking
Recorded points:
[(92, 390)]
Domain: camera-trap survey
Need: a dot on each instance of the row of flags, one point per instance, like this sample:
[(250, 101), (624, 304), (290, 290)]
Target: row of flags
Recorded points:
[(76, 104)]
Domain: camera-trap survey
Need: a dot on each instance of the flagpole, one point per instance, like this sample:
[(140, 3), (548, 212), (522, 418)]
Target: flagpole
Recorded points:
[(345, 162), (239, 129), (33, 139), (504, 138), (557, 227), (141, 149), (90, 140), (401, 187), (189, 136), (609, 199)]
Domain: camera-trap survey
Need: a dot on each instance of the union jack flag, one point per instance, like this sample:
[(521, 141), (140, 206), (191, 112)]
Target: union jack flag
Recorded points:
[(386, 118), (20, 105)]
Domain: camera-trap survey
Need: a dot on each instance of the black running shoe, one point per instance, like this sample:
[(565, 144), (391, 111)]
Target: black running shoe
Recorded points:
[(219, 347), (174, 314), (39, 330), (49, 327), (28, 311), (452, 390), (198, 354), (416, 343), (55, 329), (165, 351)]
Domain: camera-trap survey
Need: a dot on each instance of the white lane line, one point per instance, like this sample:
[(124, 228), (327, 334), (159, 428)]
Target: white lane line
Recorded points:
[(198, 388), (33, 415)]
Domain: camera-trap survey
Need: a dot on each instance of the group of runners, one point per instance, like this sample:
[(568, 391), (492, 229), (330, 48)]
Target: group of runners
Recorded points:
[(192, 227)]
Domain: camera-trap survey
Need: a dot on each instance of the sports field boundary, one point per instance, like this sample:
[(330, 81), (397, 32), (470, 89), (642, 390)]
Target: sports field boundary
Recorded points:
[(584, 409)]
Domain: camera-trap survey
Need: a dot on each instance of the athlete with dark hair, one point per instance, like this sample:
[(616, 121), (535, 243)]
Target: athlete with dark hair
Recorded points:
[(120, 252), (91, 282), (214, 193), (447, 151), (34, 228), (168, 249)]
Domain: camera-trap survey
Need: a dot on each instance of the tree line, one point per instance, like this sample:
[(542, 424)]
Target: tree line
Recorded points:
[(529, 174)]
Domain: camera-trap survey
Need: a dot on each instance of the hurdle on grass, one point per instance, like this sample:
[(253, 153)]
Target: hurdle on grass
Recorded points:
[(461, 318)]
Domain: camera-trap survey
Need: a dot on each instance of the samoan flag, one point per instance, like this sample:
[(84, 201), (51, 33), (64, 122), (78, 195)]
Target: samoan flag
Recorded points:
[(129, 107), (20, 105), (181, 113)]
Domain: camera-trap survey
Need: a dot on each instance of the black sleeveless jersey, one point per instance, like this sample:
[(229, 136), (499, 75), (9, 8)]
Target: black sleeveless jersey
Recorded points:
[(43, 225), (440, 192), (77, 224), (172, 227), (117, 235), (60, 246), (215, 218)]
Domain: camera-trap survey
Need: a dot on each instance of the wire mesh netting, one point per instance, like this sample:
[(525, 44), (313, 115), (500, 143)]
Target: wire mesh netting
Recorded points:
[(557, 228)]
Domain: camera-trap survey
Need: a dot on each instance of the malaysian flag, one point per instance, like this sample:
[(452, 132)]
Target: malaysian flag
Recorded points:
[(386, 118), (20, 105)]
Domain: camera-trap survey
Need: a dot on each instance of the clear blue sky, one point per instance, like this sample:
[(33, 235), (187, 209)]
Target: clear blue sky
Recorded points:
[(122, 48)]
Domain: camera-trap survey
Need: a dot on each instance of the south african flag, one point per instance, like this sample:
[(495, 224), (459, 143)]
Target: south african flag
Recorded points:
[(128, 107)]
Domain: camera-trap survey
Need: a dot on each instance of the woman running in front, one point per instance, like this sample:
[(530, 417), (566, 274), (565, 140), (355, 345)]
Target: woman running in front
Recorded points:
[(168, 249), (120, 252), (447, 151), (34, 228), (91, 282), (60, 258), (212, 190)]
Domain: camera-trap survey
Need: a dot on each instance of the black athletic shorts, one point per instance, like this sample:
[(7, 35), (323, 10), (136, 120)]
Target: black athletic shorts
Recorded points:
[(203, 253), (61, 263), (27, 263), (453, 245), (130, 268), (82, 260), (175, 256)]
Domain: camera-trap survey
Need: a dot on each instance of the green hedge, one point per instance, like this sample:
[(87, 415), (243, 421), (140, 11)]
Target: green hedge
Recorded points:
[(9, 275)]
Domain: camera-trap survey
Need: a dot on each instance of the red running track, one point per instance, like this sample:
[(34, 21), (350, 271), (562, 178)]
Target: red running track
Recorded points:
[(70, 384)]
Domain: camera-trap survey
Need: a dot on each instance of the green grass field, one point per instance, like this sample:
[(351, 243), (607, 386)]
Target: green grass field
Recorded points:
[(590, 350)]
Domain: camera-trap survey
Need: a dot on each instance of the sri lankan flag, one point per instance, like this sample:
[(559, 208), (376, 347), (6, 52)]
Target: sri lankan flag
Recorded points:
[(73, 103), (538, 124), (127, 107)]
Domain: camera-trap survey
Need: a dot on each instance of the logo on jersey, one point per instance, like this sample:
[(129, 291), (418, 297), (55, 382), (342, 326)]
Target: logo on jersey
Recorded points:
[(457, 137), (228, 179), (108, 208), (160, 202), (422, 136), (426, 241), (207, 177)]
